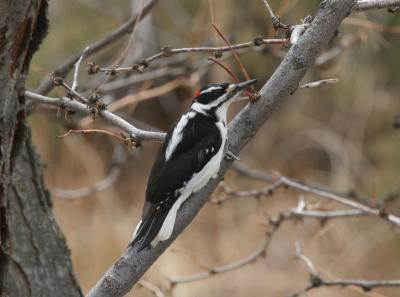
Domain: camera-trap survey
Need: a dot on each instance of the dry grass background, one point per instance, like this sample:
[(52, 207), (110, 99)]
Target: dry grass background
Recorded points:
[(339, 135)]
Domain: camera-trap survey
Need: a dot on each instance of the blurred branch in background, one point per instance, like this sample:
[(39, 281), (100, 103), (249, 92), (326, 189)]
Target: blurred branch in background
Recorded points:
[(282, 181), (168, 51), (67, 104), (47, 84), (118, 158), (316, 281)]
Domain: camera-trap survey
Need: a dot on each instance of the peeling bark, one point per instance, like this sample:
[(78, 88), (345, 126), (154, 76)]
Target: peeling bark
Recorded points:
[(34, 258)]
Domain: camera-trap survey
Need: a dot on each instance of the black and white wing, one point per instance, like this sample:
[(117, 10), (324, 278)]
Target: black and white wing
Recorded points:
[(169, 175)]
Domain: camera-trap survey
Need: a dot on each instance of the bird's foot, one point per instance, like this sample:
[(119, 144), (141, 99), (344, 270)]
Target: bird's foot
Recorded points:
[(231, 156)]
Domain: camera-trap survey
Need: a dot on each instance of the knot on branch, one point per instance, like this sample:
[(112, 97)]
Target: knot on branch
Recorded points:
[(258, 41), (57, 80), (276, 22), (166, 50), (217, 54), (94, 100), (366, 288), (138, 68), (92, 68), (110, 72), (316, 281), (382, 213), (93, 112), (130, 141)]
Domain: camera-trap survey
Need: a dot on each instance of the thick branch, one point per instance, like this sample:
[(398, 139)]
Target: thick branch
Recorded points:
[(129, 268)]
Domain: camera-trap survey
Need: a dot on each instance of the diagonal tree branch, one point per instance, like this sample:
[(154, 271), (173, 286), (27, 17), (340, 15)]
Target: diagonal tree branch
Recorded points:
[(130, 267), (62, 70)]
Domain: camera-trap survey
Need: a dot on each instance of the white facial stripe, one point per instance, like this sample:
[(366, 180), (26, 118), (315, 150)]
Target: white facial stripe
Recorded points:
[(210, 89), (200, 108), (176, 136)]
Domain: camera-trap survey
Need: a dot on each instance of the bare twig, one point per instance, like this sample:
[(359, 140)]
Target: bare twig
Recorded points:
[(259, 252), (151, 287), (230, 194), (235, 55), (367, 24), (119, 156), (226, 69), (271, 12), (47, 84), (72, 92), (76, 70), (138, 78), (345, 43), (276, 21), (361, 5), (307, 188), (222, 269), (317, 281), (102, 185), (67, 103), (319, 83), (307, 261), (122, 138), (169, 51)]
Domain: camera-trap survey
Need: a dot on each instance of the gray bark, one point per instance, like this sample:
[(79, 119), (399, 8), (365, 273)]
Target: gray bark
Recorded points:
[(129, 268), (34, 259)]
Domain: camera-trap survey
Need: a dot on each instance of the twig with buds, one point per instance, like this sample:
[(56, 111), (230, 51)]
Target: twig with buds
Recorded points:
[(286, 182), (167, 51), (47, 84), (316, 281), (66, 103), (259, 252)]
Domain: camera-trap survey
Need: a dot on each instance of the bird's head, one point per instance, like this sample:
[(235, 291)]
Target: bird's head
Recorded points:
[(215, 97)]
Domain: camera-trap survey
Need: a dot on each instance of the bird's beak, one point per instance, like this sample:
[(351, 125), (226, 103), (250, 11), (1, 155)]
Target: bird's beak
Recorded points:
[(245, 84)]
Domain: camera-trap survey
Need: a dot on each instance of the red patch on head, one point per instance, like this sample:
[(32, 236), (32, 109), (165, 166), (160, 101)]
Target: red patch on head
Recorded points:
[(197, 93)]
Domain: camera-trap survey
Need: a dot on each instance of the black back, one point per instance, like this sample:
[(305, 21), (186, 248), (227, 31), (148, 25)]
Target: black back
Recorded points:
[(167, 177)]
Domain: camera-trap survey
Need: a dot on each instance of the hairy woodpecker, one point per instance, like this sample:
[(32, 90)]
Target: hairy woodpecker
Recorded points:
[(189, 157)]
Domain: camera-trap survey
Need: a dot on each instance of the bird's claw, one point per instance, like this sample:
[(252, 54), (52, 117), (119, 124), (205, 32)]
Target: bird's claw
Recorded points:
[(231, 156)]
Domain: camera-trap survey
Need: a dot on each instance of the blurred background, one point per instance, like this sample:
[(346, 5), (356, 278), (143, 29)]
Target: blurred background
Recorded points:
[(342, 136)]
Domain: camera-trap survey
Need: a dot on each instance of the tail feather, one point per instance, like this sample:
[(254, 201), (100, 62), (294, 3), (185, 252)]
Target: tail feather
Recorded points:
[(149, 228)]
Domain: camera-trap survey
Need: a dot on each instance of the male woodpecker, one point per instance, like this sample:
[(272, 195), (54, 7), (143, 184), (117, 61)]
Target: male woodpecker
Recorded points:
[(189, 157)]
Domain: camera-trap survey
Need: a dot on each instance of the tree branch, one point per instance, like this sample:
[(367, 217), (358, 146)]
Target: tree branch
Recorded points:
[(362, 5), (47, 84), (129, 268), (68, 104), (284, 181), (317, 281), (169, 51)]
